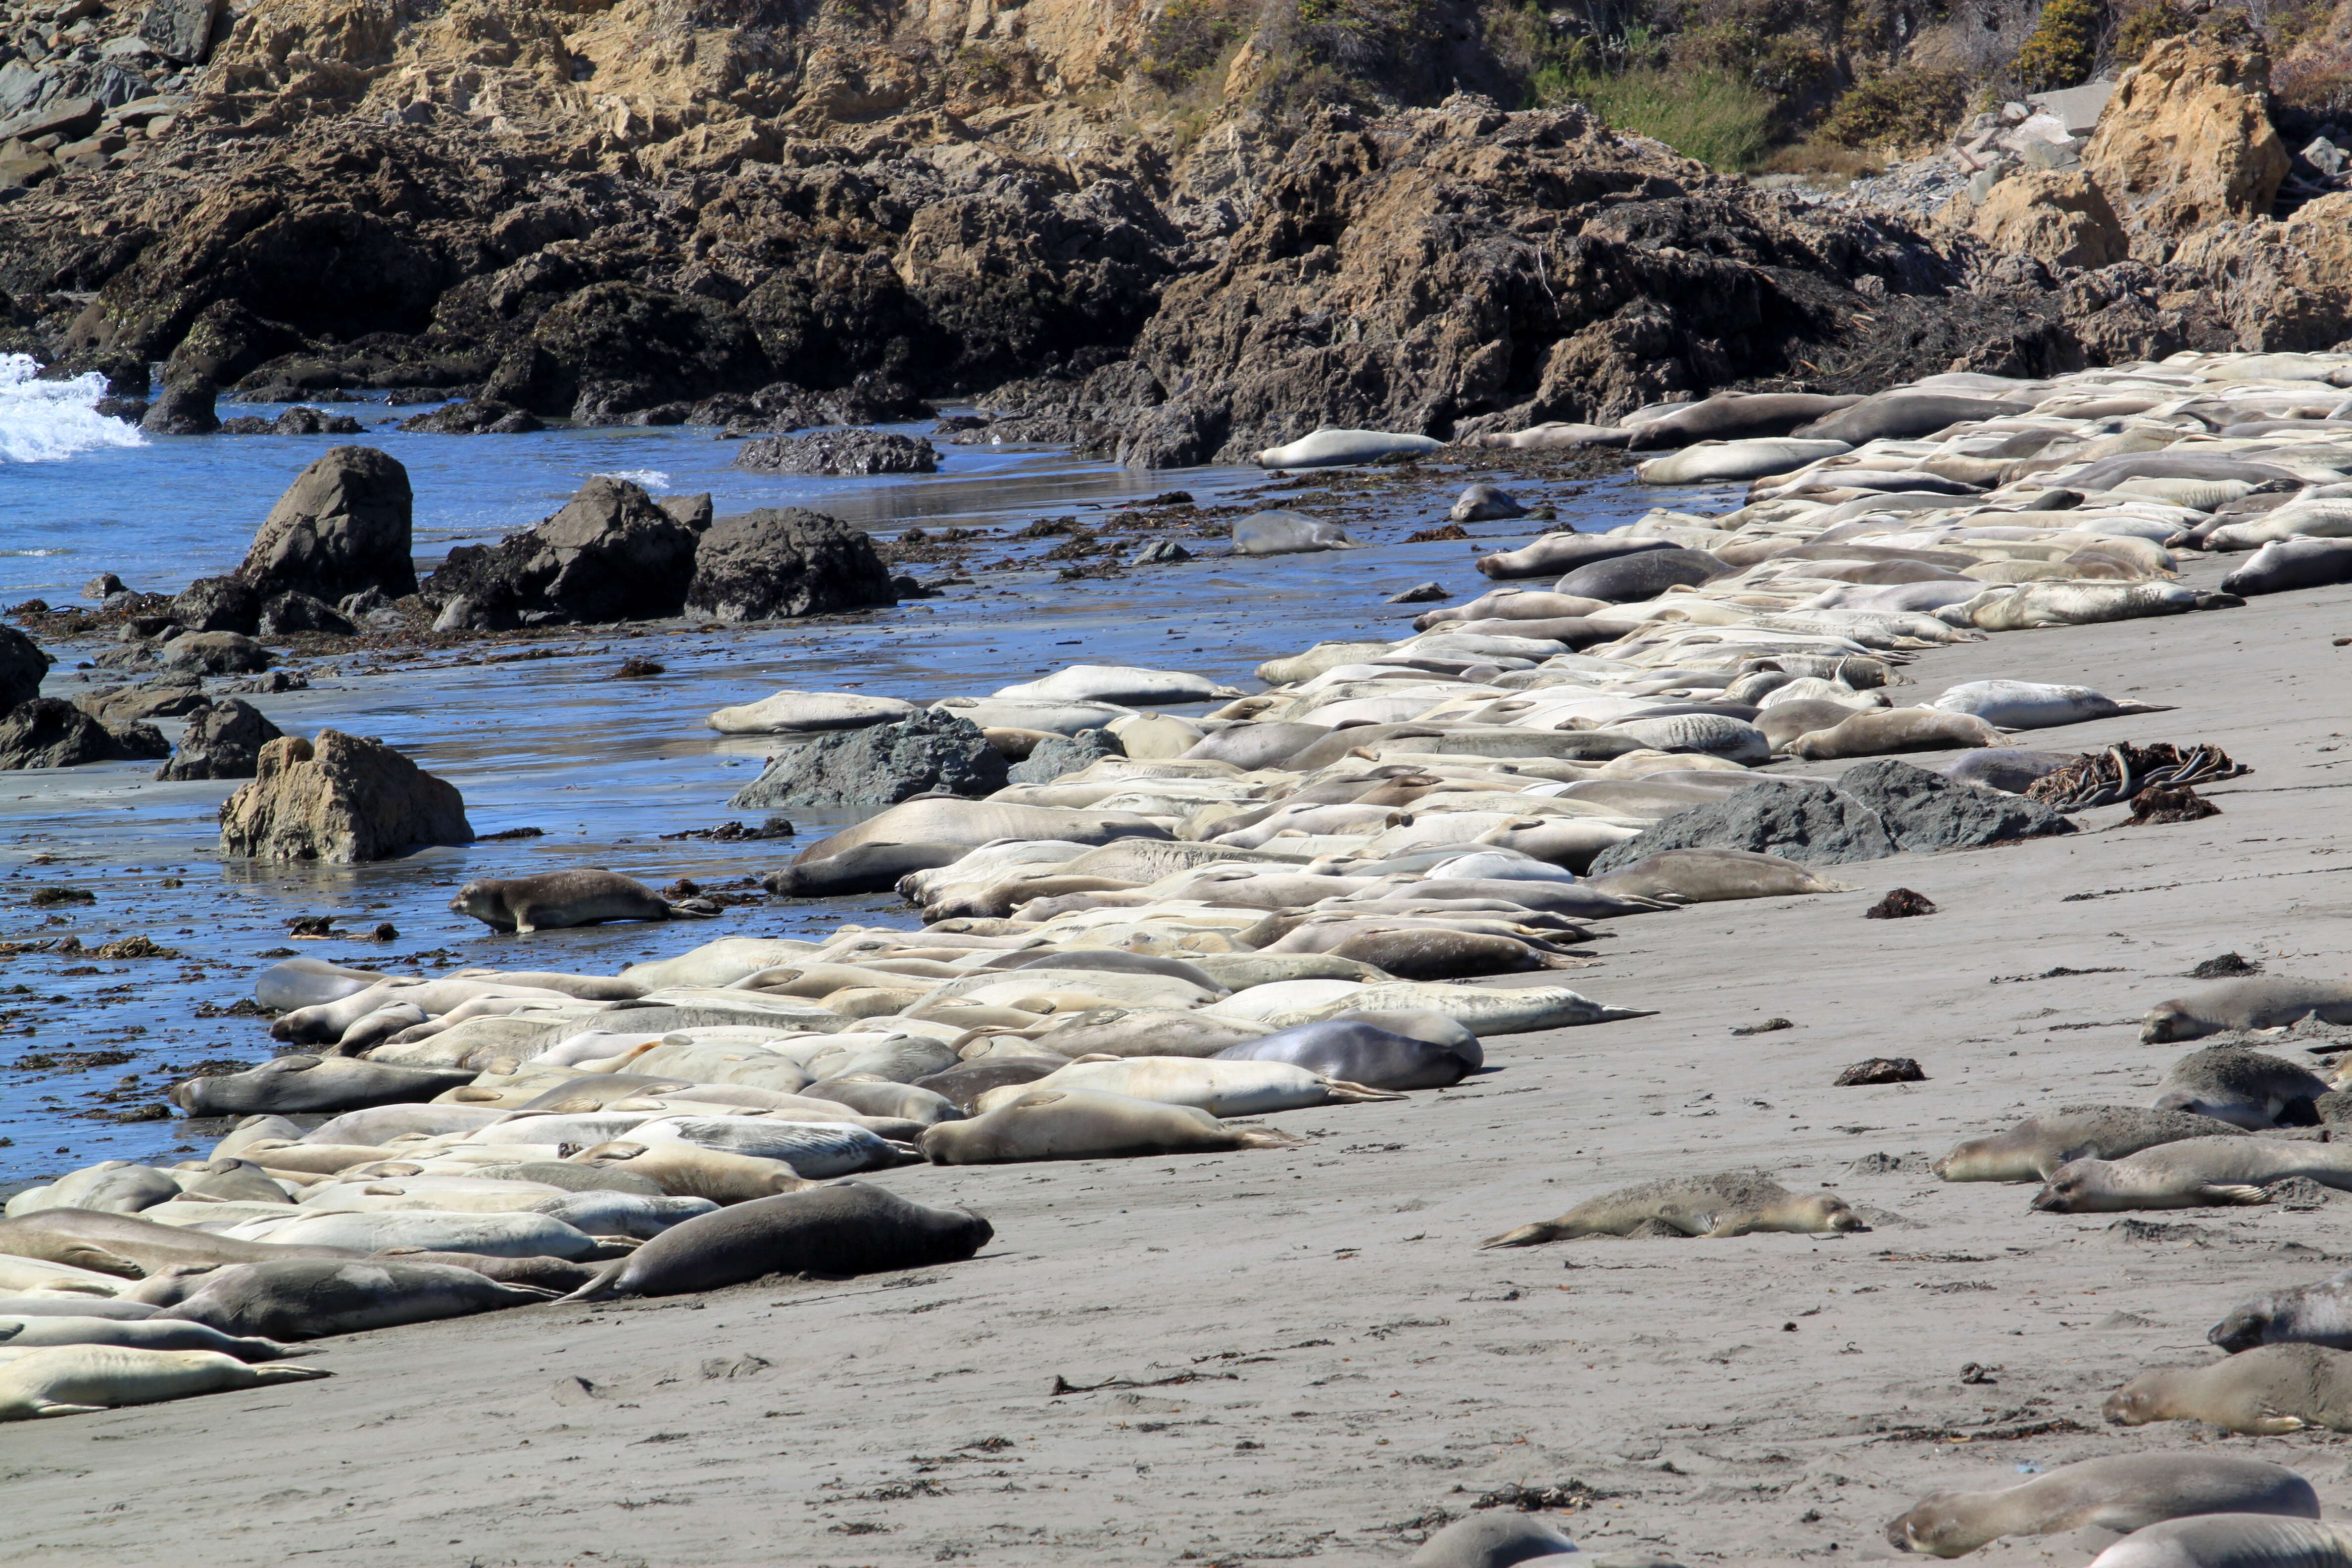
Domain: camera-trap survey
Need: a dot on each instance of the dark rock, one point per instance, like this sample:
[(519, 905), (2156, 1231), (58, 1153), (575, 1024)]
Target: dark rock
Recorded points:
[(476, 416), (22, 666), (216, 653), (1802, 819), (342, 799), (342, 526), (1161, 553), (180, 30), (49, 732), (290, 613), (268, 682), (70, 118), (222, 740), (102, 587), (306, 421), (637, 668), (1926, 810), (218, 604), (365, 603), (184, 407), (1419, 593), (2229, 966), (881, 765), (2176, 803), (840, 452), (158, 697), (1902, 904), (226, 341), (611, 555), (1880, 1070), (774, 563), (616, 346), (1058, 754), (692, 510)]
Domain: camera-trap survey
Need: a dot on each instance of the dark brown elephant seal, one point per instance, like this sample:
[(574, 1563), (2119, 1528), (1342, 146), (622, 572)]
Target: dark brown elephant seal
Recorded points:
[(849, 1227), (1566, 551), (1898, 415), (522, 905), (2266, 1391), (967, 1081), (2122, 1492)]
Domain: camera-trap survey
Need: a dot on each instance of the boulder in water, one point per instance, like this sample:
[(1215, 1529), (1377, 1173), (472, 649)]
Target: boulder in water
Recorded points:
[(22, 667), (341, 526), (840, 452), (340, 798), (789, 560), (50, 732), (611, 555), (221, 741)]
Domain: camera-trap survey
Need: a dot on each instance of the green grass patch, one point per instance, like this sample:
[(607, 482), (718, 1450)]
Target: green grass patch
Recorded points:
[(1702, 114)]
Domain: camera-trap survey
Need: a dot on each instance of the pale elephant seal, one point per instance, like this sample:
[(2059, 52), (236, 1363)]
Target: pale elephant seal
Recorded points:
[(2268, 1390), (2036, 705), (867, 869), (1887, 730), (298, 1083), (1483, 504), (2282, 565), (1327, 447), (1729, 462), (1146, 1032), (1078, 1124), (1713, 876), (847, 1229), (74, 1306), (1898, 415), (236, 1181), (549, 899), (967, 1081), (2123, 1492), (1630, 579), (310, 1298), (941, 820), (1492, 1538), (688, 1170), (809, 713), (2232, 1540), (1519, 604), (308, 981), (1114, 961), (2194, 1173), (1565, 551), (1222, 1085), (151, 1334), (1783, 722), (2316, 1314), (2034, 1149), (2264, 1001), (123, 1245), (2010, 769), (1361, 1052), (1735, 1202), (502, 1234), (879, 1097), (1553, 435), (1738, 417), (2243, 1088), (1265, 744), (1287, 533), (553, 1275), (622, 1214), (75, 1379), (110, 1186)]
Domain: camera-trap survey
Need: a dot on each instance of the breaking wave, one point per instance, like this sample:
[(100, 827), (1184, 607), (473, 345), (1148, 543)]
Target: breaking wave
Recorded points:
[(48, 421)]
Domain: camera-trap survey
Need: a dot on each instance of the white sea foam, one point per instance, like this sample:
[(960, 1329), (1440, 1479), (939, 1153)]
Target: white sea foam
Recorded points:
[(643, 479), (45, 421)]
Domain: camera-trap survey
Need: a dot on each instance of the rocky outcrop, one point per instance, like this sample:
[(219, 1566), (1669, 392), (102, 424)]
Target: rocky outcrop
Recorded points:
[(839, 452), (611, 555), (221, 741), (216, 653), (2187, 142), (1058, 754), (183, 408), (23, 665), (218, 604), (2281, 285), (49, 732), (299, 421), (341, 526), (339, 798), (474, 416), (157, 697), (2058, 218), (288, 614), (780, 562), (881, 765)]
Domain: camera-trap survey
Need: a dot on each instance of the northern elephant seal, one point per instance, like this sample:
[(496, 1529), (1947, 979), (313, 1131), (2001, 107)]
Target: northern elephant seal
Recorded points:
[(2282, 565), (1222, 1085), (1727, 462), (75, 1379), (1327, 447), (1629, 579), (2035, 705), (967, 1081), (808, 712), (2264, 1002), (1550, 555), (1146, 1032), (2243, 1088), (310, 1298), (2122, 1492), (306, 982), (1898, 415), (847, 1229), (2315, 1314), (1712, 876), (2194, 1173), (502, 1234), (1887, 730), (550, 900), (2034, 1149), (1079, 1124), (1738, 417), (2268, 1390), (1361, 1052), (938, 819), (1287, 533), (867, 869), (2232, 1540), (150, 1334), (1493, 1538), (1735, 1202), (688, 1170), (120, 1244), (300, 1083)]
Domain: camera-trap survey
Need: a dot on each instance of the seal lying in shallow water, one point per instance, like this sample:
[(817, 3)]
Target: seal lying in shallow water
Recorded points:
[(2034, 1149), (1735, 1202), (2269, 1390), (574, 898), (2123, 1492), (75, 1379), (2194, 1173), (2264, 1002), (2316, 1314)]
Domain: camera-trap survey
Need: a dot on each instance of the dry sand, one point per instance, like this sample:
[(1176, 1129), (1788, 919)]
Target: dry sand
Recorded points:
[(1328, 1363)]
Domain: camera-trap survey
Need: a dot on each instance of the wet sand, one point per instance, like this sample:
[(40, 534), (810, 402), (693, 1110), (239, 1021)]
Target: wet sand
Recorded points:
[(1321, 1362)]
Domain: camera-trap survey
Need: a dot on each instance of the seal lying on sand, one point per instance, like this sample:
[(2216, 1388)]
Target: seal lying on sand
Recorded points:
[(2269, 1390), (2034, 1149), (2245, 1088), (1080, 1124), (2123, 1492), (310, 1298), (2232, 1540), (75, 1379), (1735, 1202), (2264, 1002), (551, 899), (2316, 1314), (2194, 1173)]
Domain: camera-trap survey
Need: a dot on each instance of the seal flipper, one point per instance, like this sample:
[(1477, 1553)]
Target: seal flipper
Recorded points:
[(1342, 1093), (684, 911), (2231, 1193), (1525, 1236), (46, 1408), (602, 1287)]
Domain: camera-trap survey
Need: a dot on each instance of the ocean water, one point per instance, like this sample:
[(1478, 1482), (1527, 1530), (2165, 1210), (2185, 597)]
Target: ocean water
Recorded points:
[(604, 768)]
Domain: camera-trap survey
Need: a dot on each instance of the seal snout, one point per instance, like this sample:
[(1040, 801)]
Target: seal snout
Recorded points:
[(2241, 1331)]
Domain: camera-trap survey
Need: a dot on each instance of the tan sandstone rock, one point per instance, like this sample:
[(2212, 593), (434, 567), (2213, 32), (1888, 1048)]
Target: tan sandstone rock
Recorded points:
[(2057, 217), (341, 798), (2284, 285), (2187, 142)]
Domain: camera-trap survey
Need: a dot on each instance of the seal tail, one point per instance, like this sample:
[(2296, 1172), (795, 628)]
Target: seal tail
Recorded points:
[(1525, 1236), (604, 1287), (1265, 1138), (1341, 1092), (687, 912)]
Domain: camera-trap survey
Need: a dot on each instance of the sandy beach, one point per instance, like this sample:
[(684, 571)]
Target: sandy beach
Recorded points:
[(1269, 1355)]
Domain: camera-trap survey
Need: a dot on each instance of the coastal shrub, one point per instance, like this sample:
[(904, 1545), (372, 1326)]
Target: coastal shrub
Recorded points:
[(1190, 37), (2314, 89), (1708, 115), (1908, 107), (2063, 47), (1778, 48), (2145, 26)]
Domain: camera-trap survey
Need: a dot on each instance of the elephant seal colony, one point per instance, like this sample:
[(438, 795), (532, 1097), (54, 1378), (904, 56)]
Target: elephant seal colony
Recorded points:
[(1183, 1114)]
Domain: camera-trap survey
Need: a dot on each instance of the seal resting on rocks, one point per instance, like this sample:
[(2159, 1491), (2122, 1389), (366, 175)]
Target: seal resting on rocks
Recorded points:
[(1735, 1202), (1081, 1124), (2232, 1540), (2245, 1088), (76, 1380), (2034, 1149), (2122, 1492), (2264, 1002), (847, 1229), (2317, 1314), (522, 905), (2194, 1173), (2267, 1391)]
